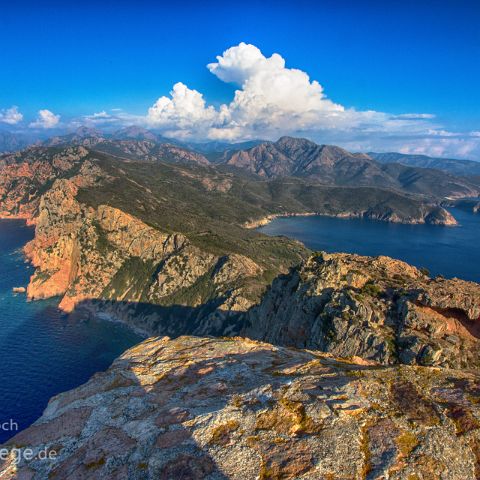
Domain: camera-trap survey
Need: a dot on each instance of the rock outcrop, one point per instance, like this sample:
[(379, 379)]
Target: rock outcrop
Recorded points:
[(202, 408), (376, 308)]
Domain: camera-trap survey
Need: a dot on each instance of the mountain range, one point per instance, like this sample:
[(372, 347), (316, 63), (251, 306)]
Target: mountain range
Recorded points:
[(454, 166), (218, 151), (288, 157), (331, 165)]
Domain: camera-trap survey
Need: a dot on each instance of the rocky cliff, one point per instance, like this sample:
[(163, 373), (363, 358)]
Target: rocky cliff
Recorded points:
[(86, 254), (105, 260), (202, 408), (161, 248), (376, 308)]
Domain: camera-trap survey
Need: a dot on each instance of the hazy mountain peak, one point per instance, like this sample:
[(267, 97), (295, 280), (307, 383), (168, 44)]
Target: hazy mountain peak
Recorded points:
[(85, 132), (136, 133), (289, 142)]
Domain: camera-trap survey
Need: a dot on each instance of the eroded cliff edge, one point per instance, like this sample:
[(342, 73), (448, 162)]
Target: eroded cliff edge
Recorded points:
[(376, 308)]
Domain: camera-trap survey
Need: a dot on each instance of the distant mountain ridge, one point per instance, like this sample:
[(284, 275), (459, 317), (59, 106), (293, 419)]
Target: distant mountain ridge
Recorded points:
[(288, 157), (11, 142), (332, 165), (132, 143), (450, 165)]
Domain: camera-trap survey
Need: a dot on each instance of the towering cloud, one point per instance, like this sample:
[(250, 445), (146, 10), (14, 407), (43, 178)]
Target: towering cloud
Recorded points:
[(271, 100), (185, 113), (271, 95)]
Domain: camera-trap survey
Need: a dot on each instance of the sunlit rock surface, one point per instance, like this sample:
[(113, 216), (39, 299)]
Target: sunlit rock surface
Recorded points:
[(203, 408)]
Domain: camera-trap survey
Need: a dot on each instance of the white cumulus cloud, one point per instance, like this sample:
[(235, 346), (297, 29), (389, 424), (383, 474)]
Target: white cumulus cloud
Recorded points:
[(46, 119), (182, 114), (271, 100), (11, 115)]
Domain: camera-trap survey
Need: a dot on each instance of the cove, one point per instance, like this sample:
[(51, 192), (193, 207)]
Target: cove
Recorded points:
[(447, 251)]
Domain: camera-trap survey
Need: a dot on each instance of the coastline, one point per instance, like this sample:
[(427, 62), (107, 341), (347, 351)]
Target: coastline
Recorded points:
[(269, 218), (29, 220), (253, 224), (103, 315)]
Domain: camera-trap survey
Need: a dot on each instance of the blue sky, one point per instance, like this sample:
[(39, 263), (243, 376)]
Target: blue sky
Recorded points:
[(395, 58)]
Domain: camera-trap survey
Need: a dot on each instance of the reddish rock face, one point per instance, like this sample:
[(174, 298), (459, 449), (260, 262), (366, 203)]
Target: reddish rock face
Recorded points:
[(281, 414)]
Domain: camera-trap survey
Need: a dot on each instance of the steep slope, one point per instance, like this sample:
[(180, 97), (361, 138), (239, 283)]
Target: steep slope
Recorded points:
[(463, 168), (300, 157), (88, 255), (88, 252), (379, 309), (202, 408), (26, 175), (331, 165)]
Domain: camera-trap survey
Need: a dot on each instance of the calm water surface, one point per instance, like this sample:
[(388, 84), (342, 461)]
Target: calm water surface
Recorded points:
[(42, 353), (449, 251)]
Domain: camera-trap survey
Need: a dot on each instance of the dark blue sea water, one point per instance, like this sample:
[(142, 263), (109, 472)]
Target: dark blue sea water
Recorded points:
[(449, 251), (42, 352)]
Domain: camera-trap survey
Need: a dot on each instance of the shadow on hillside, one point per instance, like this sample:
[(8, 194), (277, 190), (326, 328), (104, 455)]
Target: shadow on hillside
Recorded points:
[(173, 321)]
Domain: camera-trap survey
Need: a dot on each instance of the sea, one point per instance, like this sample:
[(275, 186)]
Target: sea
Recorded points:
[(448, 251), (42, 351)]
